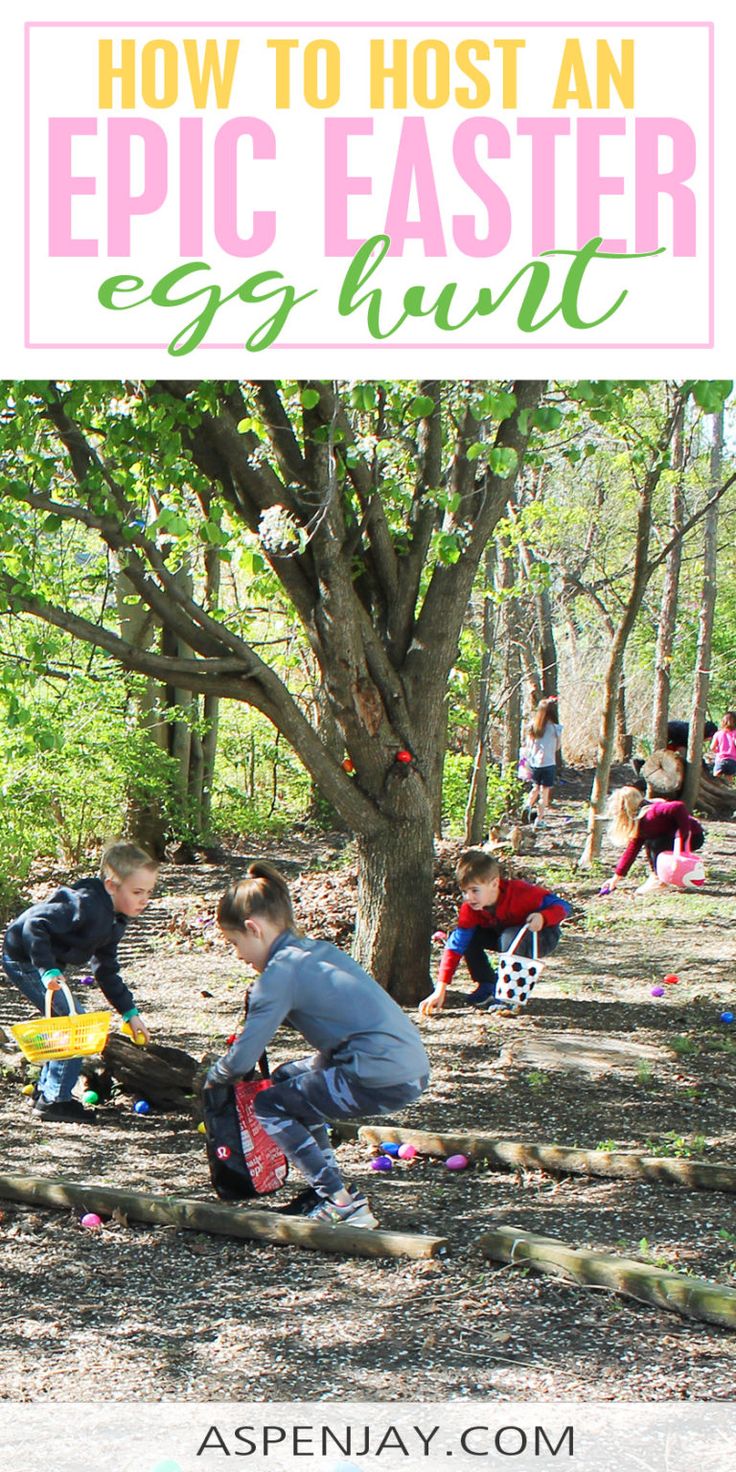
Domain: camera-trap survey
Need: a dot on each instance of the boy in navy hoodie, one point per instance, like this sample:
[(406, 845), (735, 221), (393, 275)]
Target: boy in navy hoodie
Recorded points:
[(493, 912), (79, 925)]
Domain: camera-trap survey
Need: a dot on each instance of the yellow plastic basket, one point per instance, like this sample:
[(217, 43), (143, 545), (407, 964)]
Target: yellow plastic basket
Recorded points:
[(75, 1036)]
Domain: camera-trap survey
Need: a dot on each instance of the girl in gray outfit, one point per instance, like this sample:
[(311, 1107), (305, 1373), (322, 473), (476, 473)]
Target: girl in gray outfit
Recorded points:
[(369, 1057)]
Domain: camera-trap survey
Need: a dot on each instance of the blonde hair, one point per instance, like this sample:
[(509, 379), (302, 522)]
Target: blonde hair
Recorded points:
[(263, 893), (623, 810), (121, 859), (476, 864)]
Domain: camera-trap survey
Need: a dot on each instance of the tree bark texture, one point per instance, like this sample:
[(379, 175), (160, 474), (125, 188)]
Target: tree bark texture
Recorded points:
[(701, 682), (670, 593)]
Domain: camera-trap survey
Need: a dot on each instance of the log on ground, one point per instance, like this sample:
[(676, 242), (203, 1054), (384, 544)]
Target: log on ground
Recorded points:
[(227, 1221), (164, 1076), (695, 1298), (695, 1175)]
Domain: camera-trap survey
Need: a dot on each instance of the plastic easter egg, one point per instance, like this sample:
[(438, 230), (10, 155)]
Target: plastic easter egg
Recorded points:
[(28, 1089), (657, 991), (727, 1016), (439, 937), (86, 981), (389, 1147), (91, 1220), (457, 1162), (382, 1162), (407, 1152), (202, 1127), (90, 1096), (671, 980), (141, 1106)]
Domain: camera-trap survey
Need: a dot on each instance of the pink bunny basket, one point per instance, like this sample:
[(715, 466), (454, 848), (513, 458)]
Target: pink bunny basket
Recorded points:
[(681, 868)]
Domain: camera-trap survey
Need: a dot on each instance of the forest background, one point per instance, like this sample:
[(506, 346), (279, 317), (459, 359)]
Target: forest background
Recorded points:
[(231, 608)]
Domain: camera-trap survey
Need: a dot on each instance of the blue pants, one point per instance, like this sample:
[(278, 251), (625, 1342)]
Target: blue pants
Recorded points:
[(58, 1076), (500, 940), (305, 1095)]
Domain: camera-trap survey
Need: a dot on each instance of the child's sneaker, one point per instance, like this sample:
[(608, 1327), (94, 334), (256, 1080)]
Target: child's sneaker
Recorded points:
[(355, 1213), (484, 995), (63, 1111)]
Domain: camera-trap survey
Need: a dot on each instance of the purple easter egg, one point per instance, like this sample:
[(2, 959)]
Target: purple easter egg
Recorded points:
[(86, 981), (457, 1162), (657, 991), (389, 1147), (382, 1162), (407, 1152)]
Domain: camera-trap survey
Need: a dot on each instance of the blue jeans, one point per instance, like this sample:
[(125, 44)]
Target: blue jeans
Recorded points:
[(499, 940), (304, 1096), (58, 1076)]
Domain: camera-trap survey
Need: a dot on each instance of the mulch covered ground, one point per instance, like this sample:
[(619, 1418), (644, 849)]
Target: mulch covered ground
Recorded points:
[(132, 1312)]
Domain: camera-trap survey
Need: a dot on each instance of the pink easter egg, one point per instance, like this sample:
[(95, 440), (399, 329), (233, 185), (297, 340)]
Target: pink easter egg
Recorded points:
[(407, 1152), (457, 1162), (91, 1220)]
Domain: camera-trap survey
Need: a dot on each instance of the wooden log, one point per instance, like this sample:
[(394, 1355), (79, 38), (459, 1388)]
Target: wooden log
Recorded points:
[(664, 773), (164, 1076), (695, 1298), (697, 1175), (715, 797), (228, 1221)]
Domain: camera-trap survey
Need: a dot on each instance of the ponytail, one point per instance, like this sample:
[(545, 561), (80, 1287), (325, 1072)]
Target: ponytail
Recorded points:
[(264, 894)]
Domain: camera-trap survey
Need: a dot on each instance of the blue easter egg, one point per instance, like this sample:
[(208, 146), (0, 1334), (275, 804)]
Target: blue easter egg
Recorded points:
[(727, 1016), (141, 1106), (389, 1147)]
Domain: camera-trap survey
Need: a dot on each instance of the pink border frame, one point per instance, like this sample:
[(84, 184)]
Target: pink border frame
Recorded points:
[(373, 346)]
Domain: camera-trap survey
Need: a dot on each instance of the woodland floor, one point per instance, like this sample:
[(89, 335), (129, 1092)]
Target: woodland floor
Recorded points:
[(152, 1313)]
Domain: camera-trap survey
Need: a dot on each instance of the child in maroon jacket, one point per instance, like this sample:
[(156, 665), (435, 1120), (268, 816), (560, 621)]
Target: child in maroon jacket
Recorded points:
[(493, 912), (637, 823)]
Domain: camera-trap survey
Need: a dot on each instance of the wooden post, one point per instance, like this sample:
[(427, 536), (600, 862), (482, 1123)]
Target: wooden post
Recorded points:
[(228, 1221), (696, 1175), (696, 1298)]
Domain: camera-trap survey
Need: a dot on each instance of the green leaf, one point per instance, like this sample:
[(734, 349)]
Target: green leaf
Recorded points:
[(502, 461), (547, 418), (309, 398), (422, 406), (711, 394)]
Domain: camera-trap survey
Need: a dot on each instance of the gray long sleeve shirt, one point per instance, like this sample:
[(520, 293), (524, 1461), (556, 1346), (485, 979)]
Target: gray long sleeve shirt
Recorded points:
[(336, 1006)]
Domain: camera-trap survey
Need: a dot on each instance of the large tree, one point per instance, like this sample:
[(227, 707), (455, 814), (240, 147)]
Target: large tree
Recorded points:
[(372, 505)]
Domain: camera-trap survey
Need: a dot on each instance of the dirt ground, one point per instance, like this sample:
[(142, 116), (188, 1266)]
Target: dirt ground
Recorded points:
[(152, 1313)]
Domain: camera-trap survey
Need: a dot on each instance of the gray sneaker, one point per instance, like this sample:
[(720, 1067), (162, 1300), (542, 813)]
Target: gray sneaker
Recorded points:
[(355, 1213)]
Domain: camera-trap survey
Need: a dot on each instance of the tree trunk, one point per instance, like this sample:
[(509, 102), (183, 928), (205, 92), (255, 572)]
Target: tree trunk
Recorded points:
[(624, 740), (394, 916), (701, 686), (670, 592), (642, 572), (475, 812), (511, 664)]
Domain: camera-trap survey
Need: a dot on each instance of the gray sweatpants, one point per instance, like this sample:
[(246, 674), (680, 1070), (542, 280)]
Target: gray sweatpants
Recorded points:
[(305, 1095)]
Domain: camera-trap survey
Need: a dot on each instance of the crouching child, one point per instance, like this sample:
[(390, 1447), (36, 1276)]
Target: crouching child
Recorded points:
[(493, 912), (369, 1057)]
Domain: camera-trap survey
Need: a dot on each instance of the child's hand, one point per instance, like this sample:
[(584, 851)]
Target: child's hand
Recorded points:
[(535, 922), (607, 888), (139, 1030), (433, 1003)]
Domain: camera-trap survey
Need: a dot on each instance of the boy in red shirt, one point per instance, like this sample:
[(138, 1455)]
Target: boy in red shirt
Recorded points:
[(493, 912)]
